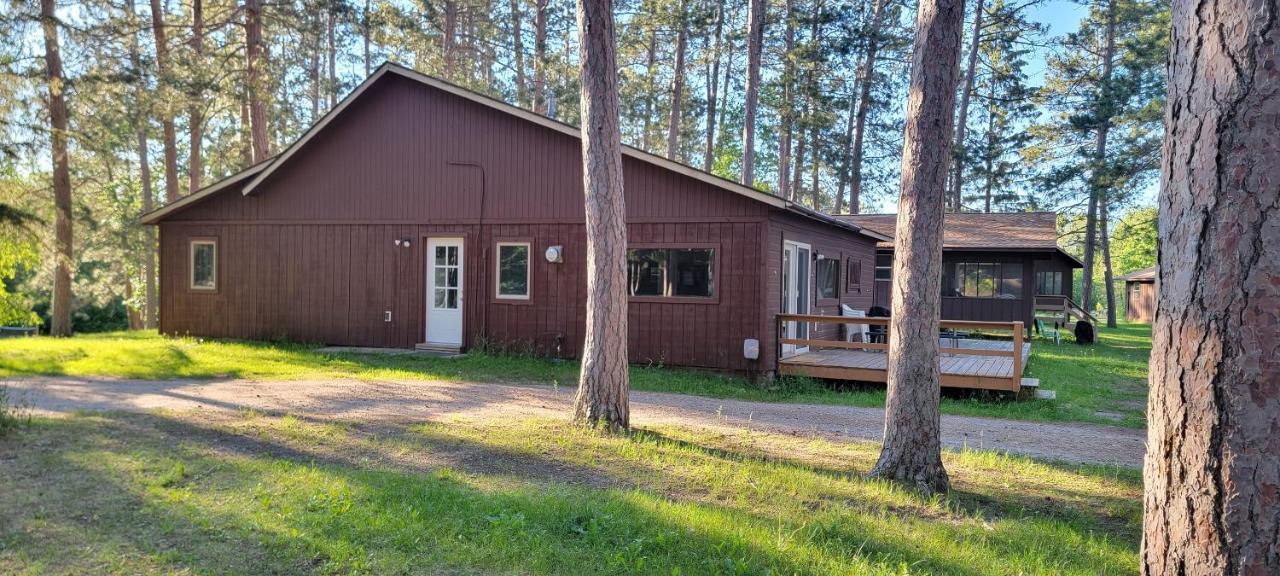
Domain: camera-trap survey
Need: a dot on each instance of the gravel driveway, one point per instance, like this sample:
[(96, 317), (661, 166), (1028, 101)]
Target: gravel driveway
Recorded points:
[(401, 401)]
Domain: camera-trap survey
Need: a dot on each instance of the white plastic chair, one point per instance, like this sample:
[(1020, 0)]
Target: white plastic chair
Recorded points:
[(851, 329)]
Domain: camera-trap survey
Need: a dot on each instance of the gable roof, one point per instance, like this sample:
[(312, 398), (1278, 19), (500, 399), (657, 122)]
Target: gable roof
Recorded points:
[(1143, 275), (1011, 231), (265, 169)]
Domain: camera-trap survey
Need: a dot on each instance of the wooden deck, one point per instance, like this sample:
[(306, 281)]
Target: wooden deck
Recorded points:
[(965, 363), (958, 370)]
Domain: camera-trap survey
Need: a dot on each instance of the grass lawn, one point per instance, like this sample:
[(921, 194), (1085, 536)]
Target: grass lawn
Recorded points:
[(258, 493), (1103, 383)]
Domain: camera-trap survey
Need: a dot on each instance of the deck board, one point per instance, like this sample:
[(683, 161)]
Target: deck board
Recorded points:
[(958, 369)]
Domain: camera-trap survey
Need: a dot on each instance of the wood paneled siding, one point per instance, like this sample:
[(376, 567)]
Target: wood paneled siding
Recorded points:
[(1140, 301), (990, 309), (311, 256), (333, 283), (823, 240)]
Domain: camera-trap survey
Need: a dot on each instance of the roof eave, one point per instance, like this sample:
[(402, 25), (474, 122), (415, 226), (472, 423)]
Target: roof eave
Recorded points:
[(153, 217)]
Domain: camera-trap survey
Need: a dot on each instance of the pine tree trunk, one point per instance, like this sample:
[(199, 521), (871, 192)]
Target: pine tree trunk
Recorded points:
[(677, 90), (140, 121), (313, 76), (755, 43), (332, 83), (253, 63), (814, 167), (912, 452), (449, 37), (170, 136), (517, 39), (651, 71), (60, 321), (962, 117), (787, 132), (603, 384), (865, 78), (713, 88), (1096, 179), (1108, 279), (1212, 502), (540, 57), (195, 159), (847, 141), (989, 162), (365, 32)]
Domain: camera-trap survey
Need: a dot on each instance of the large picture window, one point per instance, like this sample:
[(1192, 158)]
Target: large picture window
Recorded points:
[(671, 272), (988, 280), (513, 270), (827, 278), (1049, 283), (204, 264)]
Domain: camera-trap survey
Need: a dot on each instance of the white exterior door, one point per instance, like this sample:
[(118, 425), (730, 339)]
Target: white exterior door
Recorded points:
[(795, 293), (444, 292)]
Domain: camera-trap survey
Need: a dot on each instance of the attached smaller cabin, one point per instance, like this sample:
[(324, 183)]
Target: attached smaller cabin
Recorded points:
[(995, 267), (1140, 295)]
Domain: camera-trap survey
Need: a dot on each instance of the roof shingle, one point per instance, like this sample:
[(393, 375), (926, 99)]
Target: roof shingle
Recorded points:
[(1020, 230)]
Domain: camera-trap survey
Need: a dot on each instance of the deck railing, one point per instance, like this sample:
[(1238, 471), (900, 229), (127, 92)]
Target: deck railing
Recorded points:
[(1064, 304), (1016, 328)]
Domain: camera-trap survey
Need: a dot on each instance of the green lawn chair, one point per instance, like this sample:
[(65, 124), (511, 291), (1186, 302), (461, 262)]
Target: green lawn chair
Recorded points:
[(1048, 332)]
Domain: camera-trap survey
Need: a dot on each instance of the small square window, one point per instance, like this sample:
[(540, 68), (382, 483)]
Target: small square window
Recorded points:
[(204, 265), (513, 270)]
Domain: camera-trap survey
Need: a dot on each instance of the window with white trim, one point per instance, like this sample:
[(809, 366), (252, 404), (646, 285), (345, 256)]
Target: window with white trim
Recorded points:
[(513, 270), (204, 264)]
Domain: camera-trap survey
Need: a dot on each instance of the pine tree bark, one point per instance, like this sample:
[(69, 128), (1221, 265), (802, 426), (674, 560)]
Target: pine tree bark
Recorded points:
[(257, 107), (1096, 178), (677, 87), (60, 321), (755, 44), (540, 57), (1212, 497), (140, 121), (195, 158), (603, 384), (962, 117), (169, 133), (865, 78), (912, 452), (713, 88)]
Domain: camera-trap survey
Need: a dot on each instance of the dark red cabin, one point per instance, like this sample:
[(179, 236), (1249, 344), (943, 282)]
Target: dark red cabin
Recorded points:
[(417, 213)]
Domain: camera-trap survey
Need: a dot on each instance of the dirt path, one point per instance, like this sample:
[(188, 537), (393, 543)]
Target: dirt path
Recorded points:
[(381, 400)]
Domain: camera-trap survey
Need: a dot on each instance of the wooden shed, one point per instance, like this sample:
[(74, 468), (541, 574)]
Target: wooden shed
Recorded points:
[(995, 267), (418, 213), (1140, 295)]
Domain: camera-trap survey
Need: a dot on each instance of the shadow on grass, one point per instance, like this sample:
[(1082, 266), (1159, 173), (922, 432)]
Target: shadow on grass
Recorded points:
[(248, 501)]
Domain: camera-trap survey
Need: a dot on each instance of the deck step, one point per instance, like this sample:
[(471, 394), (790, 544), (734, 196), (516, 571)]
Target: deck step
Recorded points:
[(438, 348), (1046, 395), (1030, 382)]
